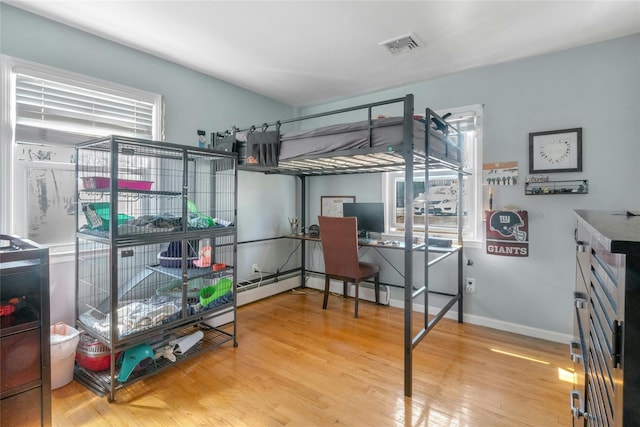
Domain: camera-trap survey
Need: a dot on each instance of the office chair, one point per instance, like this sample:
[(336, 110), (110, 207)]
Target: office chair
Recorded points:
[(339, 237)]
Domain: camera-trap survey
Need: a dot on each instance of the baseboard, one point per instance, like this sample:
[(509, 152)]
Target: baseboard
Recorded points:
[(519, 329), (367, 292), (493, 323), (255, 294), (214, 322), (265, 291)]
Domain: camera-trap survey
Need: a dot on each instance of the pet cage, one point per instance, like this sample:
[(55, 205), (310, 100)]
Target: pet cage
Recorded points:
[(155, 250)]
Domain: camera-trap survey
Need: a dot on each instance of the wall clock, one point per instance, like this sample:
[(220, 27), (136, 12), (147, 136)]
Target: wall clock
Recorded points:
[(555, 151)]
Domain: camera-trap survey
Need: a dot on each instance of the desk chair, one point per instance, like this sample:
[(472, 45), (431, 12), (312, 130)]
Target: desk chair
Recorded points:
[(339, 237)]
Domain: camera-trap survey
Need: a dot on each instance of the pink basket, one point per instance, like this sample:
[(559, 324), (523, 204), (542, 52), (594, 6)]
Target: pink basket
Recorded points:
[(101, 182)]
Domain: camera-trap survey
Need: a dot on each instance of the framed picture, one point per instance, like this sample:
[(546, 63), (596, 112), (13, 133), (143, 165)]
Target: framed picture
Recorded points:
[(332, 205), (555, 151)]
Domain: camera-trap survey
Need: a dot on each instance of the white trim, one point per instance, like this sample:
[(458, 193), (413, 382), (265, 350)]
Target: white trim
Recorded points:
[(473, 234), (255, 294), (10, 186), (366, 293), (494, 323), (7, 119), (265, 291), (69, 77)]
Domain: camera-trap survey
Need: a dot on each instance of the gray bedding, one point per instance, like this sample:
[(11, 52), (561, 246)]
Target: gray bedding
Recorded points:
[(333, 139), (348, 136)]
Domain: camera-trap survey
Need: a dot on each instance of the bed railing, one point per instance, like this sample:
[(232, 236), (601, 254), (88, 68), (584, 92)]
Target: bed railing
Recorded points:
[(443, 150), (359, 160)]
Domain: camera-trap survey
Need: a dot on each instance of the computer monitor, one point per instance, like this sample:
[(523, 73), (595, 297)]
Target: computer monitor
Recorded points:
[(370, 216)]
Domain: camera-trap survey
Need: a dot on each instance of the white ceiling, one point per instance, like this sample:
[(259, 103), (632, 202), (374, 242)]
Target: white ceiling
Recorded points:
[(307, 52)]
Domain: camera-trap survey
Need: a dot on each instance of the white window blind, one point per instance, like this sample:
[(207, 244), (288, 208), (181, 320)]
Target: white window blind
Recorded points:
[(56, 112), (45, 112), (469, 123)]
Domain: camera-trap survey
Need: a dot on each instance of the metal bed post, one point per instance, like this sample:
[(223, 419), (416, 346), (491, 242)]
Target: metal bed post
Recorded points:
[(407, 152), (460, 219), (235, 253), (303, 221), (446, 155), (427, 143)]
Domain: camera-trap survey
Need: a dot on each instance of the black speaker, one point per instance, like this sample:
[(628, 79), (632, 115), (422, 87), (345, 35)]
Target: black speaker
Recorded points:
[(314, 230)]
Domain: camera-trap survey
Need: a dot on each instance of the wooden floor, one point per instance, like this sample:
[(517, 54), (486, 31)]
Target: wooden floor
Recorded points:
[(299, 365)]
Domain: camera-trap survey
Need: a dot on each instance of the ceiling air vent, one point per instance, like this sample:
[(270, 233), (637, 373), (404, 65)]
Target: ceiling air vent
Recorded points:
[(402, 44)]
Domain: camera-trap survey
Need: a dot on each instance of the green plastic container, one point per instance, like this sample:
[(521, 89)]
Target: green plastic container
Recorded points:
[(212, 293), (174, 289), (104, 212)]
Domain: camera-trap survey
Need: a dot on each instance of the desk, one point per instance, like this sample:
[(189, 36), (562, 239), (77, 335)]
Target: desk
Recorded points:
[(387, 244), (391, 244)]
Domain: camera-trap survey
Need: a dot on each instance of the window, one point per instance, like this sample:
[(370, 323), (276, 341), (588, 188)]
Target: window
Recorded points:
[(441, 191), (48, 112)]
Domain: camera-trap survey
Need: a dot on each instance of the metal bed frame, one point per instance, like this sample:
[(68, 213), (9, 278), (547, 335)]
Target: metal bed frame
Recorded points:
[(379, 159)]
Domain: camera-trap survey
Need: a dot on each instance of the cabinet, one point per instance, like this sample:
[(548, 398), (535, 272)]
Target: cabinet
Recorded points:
[(156, 250), (606, 344), (25, 376)]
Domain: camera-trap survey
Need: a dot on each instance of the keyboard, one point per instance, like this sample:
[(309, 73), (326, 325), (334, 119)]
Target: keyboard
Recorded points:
[(440, 243), (433, 241), (394, 243), (365, 241)]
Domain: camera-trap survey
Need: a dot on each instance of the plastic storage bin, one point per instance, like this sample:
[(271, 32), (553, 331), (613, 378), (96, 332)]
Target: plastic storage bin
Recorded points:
[(102, 182), (64, 341), (91, 354), (103, 210)]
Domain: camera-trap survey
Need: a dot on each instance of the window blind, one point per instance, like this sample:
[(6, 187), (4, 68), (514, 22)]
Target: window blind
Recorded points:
[(464, 121), (468, 120), (55, 112)]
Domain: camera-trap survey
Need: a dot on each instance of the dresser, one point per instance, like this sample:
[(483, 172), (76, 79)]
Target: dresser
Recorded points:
[(25, 377), (606, 339)]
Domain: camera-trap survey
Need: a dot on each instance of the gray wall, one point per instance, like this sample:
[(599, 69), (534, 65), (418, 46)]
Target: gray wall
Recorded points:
[(595, 87), (193, 101)]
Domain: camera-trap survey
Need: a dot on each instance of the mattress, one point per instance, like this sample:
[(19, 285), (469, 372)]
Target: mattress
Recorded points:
[(386, 133)]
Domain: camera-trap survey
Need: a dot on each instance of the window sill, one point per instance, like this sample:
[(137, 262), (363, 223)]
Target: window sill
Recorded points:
[(61, 257)]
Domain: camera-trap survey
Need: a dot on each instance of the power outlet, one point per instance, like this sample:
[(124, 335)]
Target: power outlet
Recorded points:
[(255, 269), (470, 285)]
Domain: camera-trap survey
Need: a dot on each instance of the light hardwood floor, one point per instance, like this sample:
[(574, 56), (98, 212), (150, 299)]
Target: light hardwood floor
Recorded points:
[(299, 365)]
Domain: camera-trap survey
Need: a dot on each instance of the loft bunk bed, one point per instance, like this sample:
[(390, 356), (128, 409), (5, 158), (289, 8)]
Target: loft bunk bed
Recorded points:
[(408, 143)]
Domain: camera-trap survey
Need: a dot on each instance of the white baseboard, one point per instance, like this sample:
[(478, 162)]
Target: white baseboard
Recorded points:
[(519, 329), (265, 291), (367, 294), (493, 323), (255, 294), (214, 322)]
